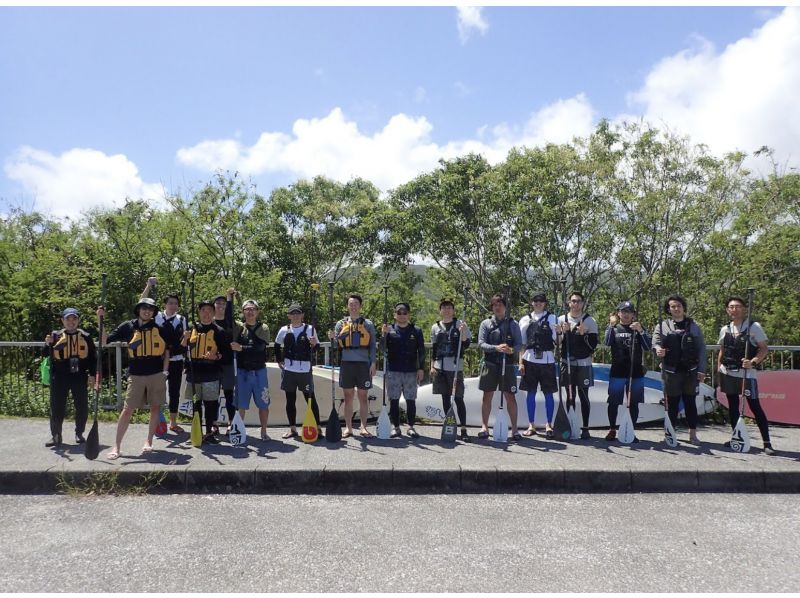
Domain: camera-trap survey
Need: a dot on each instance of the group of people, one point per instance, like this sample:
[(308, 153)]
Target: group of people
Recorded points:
[(220, 356)]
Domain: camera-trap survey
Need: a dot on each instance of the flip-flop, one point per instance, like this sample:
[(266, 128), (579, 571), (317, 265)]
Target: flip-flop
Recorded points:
[(347, 434), (177, 429), (483, 435), (529, 433), (112, 455), (365, 434), (289, 434), (147, 449)]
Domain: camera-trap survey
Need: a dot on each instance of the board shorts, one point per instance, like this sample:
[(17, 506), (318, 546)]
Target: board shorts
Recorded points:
[(146, 391), (404, 383), (680, 383), (490, 377), (617, 387), (542, 375), (294, 381), (252, 383), (731, 385), (443, 383), (582, 375), (354, 374)]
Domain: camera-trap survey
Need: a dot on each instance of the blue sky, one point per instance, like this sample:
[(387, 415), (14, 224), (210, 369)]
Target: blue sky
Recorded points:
[(99, 103)]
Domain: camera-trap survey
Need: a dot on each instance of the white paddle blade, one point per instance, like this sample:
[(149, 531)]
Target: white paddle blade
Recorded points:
[(574, 423), (222, 413), (740, 439), (186, 408), (625, 434), (500, 430), (449, 427), (237, 433), (669, 433), (383, 429)]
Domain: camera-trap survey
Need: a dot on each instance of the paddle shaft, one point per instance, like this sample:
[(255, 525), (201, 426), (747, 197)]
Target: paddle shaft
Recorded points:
[(458, 351), (98, 377), (333, 341)]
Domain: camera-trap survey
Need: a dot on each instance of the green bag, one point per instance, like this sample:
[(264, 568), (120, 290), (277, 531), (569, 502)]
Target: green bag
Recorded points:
[(44, 372)]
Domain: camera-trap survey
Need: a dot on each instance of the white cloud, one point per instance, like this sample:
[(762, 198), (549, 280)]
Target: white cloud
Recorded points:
[(77, 180), (335, 147), (470, 19), (740, 98)]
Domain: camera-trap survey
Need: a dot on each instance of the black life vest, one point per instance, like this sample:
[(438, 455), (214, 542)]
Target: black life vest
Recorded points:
[(539, 334), (253, 355), (402, 347), (733, 348), (446, 339), (499, 333), (354, 334), (621, 347), (178, 323), (296, 348), (578, 349), (69, 345), (681, 348)]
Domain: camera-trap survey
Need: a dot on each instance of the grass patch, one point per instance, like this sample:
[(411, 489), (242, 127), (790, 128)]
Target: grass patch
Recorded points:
[(108, 484)]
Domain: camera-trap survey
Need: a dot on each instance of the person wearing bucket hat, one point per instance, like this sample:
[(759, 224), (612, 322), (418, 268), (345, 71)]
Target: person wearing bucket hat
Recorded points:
[(73, 356), (250, 342), (148, 368), (294, 347)]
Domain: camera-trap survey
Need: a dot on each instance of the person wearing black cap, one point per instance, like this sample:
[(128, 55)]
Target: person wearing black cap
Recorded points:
[(404, 346), (148, 368), (208, 346), (73, 357), (537, 365), (679, 343), (446, 366), (251, 341), (499, 335), (294, 346), (223, 317), (621, 332)]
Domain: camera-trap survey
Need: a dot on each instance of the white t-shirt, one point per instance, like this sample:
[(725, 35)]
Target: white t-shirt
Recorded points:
[(529, 355), (290, 365), (757, 335)]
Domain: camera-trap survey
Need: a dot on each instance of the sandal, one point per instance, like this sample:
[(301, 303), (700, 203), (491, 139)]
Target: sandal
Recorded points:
[(365, 434), (413, 433), (346, 435), (483, 434), (529, 433), (289, 434), (177, 429), (147, 448), (548, 433), (111, 455), (516, 437)]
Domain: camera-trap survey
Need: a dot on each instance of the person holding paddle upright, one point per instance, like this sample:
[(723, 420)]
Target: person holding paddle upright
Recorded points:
[(405, 351), (355, 336), (736, 363), (250, 342), (73, 356), (223, 317), (447, 364), (537, 365), (500, 340), (679, 344), (628, 341)]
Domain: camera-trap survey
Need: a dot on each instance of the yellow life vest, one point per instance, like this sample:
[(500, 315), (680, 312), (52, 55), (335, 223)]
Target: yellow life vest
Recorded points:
[(70, 345), (203, 342), (146, 343), (354, 335)]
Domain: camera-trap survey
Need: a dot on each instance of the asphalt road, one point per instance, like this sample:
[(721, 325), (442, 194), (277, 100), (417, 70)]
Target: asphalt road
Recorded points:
[(420, 543)]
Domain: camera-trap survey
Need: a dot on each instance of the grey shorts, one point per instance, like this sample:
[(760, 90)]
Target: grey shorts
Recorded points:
[(354, 374), (404, 383), (294, 381), (539, 375), (228, 379), (679, 383), (443, 383), (203, 391), (490, 377), (582, 375)]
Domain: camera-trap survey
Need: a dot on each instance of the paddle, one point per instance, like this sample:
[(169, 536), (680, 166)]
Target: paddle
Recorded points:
[(626, 432), (197, 431), (310, 425), (237, 433), (500, 430), (92, 449), (561, 425), (670, 438), (572, 414), (740, 438), (222, 412), (333, 429), (384, 427), (449, 426)]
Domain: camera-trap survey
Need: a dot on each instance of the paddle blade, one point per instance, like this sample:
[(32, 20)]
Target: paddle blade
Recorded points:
[(561, 427), (740, 439), (92, 443), (574, 423), (500, 430), (333, 429), (186, 408), (669, 433), (237, 434), (449, 427), (222, 413), (310, 432), (197, 431), (161, 427), (625, 434), (384, 427)]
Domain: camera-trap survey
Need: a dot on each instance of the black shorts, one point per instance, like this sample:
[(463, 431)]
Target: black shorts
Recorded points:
[(582, 375), (542, 375), (443, 383), (354, 374), (679, 383), (292, 381), (731, 385), (490, 377)]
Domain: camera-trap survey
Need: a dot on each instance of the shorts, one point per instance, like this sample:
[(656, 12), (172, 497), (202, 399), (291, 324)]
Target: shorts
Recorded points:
[(203, 391), (252, 383), (731, 385), (542, 375), (582, 375), (443, 383), (490, 377), (679, 383), (354, 374), (294, 381), (228, 377), (404, 383), (146, 390), (618, 386)]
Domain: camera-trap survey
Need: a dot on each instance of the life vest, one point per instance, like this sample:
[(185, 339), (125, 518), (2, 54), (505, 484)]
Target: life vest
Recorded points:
[(178, 323), (402, 348), (681, 348), (446, 340), (539, 335), (296, 348), (203, 342), (146, 342), (253, 355), (621, 347), (353, 335), (733, 348), (71, 345), (578, 348), (498, 336)]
